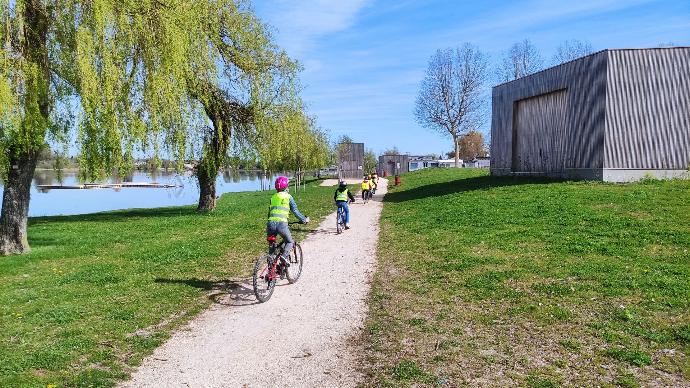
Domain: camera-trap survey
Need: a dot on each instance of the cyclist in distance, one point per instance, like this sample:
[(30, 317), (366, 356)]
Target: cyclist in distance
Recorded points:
[(281, 205), (365, 187), (341, 197), (373, 185)]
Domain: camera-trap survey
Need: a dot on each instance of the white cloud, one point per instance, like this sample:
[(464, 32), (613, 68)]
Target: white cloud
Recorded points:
[(301, 22)]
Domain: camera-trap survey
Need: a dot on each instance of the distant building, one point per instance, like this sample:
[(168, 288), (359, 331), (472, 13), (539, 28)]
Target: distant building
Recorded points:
[(615, 115), (350, 160), (420, 162), (449, 163), (393, 164), (478, 162)]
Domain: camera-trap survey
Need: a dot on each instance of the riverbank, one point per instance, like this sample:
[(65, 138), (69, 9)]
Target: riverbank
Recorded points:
[(99, 292), (503, 282)]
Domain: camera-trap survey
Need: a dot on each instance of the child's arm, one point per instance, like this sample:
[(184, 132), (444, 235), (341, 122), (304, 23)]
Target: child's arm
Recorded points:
[(295, 211)]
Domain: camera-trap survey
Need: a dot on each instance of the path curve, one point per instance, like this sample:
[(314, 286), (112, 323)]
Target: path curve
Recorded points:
[(236, 342)]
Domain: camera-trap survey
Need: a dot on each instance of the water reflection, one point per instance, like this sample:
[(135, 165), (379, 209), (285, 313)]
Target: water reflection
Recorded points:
[(45, 202)]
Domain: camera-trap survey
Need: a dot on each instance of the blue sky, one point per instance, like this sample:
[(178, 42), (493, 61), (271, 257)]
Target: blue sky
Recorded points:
[(364, 59)]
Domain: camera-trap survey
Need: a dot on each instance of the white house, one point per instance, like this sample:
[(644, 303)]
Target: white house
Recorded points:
[(449, 163), (420, 162)]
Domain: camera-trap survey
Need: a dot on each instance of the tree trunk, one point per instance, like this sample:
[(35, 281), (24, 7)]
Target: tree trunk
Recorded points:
[(207, 187), (457, 152), (15, 204), (22, 158), (224, 112)]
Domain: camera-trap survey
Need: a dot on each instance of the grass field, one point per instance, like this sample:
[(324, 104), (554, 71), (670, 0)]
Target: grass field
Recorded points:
[(492, 281), (98, 292)]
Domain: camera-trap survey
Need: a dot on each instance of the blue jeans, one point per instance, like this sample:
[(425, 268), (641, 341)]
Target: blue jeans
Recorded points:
[(275, 228), (346, 209)]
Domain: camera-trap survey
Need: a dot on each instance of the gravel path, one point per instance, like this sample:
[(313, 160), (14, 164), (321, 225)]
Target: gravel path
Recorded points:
[(298, 338)]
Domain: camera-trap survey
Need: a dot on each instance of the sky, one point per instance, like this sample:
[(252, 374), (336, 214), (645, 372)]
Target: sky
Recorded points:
[(364, 59)]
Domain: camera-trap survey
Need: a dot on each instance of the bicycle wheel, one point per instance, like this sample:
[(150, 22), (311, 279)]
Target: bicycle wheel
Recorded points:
[(296, 263), (263, 284), (338, 223)]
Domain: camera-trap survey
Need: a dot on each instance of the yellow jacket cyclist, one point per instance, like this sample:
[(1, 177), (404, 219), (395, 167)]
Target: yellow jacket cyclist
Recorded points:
[(281, 205), (366, 186), (373, 185), (341, 196)]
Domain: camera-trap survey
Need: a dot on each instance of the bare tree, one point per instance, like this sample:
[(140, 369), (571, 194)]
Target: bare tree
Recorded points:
[(451, 95), (392, 151), (570, 50), (522, 59)]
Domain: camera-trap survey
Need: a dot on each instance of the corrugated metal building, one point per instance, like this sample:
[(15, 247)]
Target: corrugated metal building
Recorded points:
[(393, 164), (616, 115), (350, 160)]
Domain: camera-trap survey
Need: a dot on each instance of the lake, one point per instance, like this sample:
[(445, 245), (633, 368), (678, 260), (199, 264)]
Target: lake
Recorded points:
[(67, 202)]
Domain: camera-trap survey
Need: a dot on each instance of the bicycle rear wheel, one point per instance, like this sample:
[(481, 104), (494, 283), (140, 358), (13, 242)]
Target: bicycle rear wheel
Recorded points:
[(261, 279), (338, 222), (296, 263)]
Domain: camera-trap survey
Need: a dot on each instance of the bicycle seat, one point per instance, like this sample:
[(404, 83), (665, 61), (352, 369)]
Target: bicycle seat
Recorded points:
[(271, 238)]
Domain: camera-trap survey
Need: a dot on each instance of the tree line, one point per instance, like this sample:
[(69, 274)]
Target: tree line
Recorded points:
[(452, 97), (188, 79)]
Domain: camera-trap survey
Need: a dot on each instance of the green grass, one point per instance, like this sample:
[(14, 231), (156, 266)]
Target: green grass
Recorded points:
[(98, 292), (532, 282)]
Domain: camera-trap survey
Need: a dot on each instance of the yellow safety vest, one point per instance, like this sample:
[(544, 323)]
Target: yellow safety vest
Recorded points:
[(365, 185), (341, 195), (280, 207)]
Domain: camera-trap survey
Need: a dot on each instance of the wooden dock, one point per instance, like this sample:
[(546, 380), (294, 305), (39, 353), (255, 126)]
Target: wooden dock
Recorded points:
[(147, 185)]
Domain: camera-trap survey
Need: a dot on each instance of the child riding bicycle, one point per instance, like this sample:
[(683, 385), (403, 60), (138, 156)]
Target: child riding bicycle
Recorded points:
[(373, 185), (366, 186), (281, 205), (341, 197)]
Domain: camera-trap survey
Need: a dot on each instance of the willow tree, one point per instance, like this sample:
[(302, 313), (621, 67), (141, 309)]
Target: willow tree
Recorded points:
[(289, 140), (256, 77), (114, 73)]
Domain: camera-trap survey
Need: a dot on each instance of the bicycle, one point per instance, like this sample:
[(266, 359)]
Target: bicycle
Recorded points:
[(340, 219), (268, 268)]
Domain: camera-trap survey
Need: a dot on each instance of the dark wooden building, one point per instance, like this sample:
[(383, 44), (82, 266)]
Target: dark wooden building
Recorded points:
[(393, 164), (350, 160), (615, 115)]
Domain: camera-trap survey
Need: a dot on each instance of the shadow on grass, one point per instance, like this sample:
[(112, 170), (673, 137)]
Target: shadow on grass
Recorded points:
[(463, 185), (119, 215), (223, 292)]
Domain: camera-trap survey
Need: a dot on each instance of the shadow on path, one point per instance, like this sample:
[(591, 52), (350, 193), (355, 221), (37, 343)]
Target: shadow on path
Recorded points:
[(463, 185), (224, 292)]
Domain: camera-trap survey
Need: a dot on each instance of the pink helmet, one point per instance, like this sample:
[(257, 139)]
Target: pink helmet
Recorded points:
[(282, 183)]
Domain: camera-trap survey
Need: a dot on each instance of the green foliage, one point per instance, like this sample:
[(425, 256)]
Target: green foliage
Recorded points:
[(131, 76), (291, 141), (370, 162)]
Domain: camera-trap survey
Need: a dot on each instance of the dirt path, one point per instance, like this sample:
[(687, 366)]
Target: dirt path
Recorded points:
[(298, 338)]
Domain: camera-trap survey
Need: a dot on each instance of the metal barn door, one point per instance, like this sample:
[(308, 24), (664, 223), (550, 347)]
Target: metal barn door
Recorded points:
[(539, 133)]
